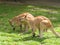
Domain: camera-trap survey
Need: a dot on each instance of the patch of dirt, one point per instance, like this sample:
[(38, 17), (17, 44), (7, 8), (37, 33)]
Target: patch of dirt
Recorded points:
[(35, 2)]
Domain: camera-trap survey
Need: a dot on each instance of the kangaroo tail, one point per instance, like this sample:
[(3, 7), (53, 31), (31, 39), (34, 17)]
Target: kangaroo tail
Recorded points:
[(56, 33)]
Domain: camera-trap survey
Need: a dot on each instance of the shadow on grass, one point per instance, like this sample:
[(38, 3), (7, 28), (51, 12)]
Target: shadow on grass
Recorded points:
[(33, 38), (41, 40)]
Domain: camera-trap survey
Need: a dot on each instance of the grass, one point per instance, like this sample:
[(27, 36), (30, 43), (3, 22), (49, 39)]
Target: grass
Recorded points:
[(10, 37)]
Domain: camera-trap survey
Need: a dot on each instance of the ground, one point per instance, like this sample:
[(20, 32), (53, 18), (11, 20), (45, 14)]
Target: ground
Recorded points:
[(10, 37)]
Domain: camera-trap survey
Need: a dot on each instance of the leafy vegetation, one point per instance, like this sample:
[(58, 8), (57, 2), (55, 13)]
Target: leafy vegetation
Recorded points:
[(10, 37)]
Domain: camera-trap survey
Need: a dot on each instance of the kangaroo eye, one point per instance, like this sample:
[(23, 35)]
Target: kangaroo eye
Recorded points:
[(25, 16), (19, 19)]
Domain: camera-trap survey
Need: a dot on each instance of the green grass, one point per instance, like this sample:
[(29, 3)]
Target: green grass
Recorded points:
[(10, 37)]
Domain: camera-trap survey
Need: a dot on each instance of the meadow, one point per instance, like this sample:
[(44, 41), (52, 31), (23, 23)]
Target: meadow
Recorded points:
[(10, 37)]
